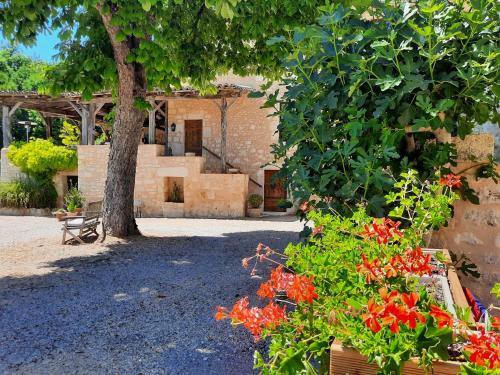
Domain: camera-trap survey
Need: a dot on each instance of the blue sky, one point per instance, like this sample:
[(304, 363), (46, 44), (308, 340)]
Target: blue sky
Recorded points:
[(44, 49)]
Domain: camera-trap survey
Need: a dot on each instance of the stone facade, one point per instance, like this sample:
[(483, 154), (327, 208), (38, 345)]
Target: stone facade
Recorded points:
[(250, 134), (8, 170), (203, 195), (475, 229)]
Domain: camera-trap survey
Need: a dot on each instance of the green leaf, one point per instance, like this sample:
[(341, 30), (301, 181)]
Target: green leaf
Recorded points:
[(388, 82)]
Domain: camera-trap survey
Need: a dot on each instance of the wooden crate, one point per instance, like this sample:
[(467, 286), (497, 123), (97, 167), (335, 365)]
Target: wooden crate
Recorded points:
[(348, 361)]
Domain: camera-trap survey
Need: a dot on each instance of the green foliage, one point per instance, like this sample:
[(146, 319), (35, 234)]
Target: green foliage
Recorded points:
[(194, 40), (496, 290), (255, 200), (19, 72), (356, 80), (74, 199), (301, 344), (70, 134), (464, 265), (176, 194), (28, 192), (41, 158)]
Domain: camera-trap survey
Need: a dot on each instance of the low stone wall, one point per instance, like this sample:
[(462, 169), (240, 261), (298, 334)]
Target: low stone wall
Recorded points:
[(204, 195), (7, 211)]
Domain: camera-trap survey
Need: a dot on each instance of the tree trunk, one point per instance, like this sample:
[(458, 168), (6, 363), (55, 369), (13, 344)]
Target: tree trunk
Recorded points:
[(223, 135), (118, 213)]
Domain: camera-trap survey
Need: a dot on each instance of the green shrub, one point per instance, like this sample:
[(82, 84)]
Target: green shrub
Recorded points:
[(255, 200), (74, 199), (70, 134), (28, 192), (356, 80), (41, 158)]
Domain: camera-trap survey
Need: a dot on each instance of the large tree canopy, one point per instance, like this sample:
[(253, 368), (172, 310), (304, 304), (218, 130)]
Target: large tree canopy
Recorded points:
[(130, 45), (357, 82)]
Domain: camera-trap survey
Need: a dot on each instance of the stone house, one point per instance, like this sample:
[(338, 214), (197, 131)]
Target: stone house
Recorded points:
[(179, 169)]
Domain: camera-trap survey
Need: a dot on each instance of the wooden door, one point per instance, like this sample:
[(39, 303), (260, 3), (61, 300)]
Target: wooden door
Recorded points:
[(193, 136), (274, 191)]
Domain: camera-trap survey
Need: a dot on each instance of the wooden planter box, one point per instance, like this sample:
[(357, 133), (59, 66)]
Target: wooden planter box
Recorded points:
[(349, 361)]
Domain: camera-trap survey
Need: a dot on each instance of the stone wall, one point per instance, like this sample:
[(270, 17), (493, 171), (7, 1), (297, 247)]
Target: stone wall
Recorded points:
[(8, 171), (205, 195), (475, 229), (250, 133)]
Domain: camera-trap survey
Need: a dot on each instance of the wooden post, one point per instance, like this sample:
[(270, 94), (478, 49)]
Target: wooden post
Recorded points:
[(6, 126), (152, 124), (91, 123), (224, 107), (83, 111), (223, 135), (7, 136)]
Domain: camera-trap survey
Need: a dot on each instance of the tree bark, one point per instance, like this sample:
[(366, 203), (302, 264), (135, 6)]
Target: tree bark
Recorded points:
[(118, 215)]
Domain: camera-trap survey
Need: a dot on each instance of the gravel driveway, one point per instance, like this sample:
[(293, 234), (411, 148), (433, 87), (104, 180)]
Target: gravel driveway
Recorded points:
[(141, 306)]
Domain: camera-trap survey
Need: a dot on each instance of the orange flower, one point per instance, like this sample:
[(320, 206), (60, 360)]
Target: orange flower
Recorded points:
[(451, 180), (484, 349), (372, 269), (370, 318), (444, 319)]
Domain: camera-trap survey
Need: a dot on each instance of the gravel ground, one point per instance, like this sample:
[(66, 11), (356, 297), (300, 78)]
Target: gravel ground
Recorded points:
[(141, 306)]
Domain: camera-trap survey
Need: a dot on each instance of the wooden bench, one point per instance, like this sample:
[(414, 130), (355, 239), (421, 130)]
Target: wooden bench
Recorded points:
[(79, 227)]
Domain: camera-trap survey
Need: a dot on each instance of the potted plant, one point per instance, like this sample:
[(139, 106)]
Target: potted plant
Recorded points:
[(254, 205), (357, 282), (74, 201), (174, 207), (60, 214)]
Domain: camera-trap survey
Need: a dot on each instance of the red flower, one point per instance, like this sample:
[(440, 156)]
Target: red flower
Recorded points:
[(393, 313), (370, 318), (384, 230), (305, 206), (301, 289), (298, 288), (412, 315), (444, 319), (451, 180), (495, 323), (244, 262), (255, 319), (484, 349), (318, 230), (372, 269)]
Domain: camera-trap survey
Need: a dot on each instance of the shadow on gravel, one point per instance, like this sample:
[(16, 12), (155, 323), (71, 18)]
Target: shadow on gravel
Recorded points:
[(144, 307)]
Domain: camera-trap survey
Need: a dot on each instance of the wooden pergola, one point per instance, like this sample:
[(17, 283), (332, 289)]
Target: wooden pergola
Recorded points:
[(88, 113)]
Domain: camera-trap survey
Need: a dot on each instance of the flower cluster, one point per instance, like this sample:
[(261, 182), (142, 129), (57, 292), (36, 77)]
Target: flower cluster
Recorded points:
[(443, 318), (413, 261), (484, 349), (384, 229), (452, 181), (297, 288), (397, 309), (255, 319)]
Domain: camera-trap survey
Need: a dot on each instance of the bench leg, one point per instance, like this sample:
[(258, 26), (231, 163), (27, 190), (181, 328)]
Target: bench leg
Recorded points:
[(103, 233)]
